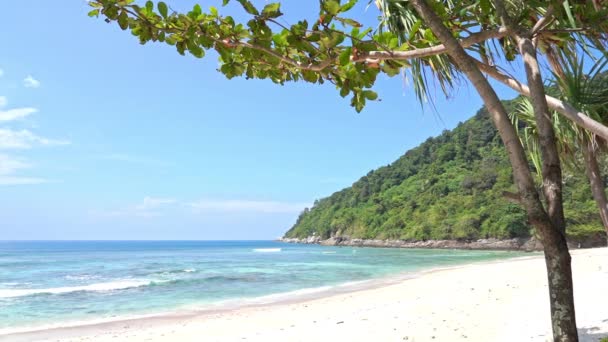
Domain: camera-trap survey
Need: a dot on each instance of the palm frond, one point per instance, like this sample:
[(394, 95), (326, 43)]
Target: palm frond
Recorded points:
[(401, 19)]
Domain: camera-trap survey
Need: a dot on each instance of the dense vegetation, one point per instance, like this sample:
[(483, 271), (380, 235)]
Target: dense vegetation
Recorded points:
[(449, 187)]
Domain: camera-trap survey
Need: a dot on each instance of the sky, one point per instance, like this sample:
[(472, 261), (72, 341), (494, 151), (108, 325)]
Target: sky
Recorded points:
[(103, 138)]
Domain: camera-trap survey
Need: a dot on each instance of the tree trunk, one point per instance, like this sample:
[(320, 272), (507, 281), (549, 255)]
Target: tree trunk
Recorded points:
[(595, 180), (561, 289), (557, 257), (551, 167)]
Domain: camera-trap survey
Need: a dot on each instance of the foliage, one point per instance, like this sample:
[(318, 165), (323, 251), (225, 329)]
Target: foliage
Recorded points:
[(449, 187), (336, 48)]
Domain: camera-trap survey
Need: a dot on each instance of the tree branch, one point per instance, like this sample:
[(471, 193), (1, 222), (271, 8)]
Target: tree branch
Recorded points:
[(310, 67), (542, 22), (557, 105), (469, 41)]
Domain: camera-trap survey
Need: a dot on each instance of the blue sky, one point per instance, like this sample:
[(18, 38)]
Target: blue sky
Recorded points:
[(102, 138)]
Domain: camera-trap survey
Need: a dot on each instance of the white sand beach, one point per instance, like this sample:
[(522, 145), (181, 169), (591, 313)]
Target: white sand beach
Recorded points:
[(499, 301)]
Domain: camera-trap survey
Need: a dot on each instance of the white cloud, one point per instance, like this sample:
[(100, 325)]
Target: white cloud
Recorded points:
[(24, 139), (16, 113), (157, 206), (251, 206), (149, 207), (31, 82), (9, 166), (151, 203)]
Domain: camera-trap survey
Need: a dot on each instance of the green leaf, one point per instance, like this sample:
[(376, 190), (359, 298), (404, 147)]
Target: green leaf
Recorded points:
[(566, 5), (180, 46), (197, 10), (357, 101), (332, 7), (344, 91), (248, 6), (123, 20), (347, 6), (272, 10), (345, 56), (370, 95), (111, 13), (162, 9), (225, 2), (149, 6), (195, 50), (349, 22), (94, 13), (310, 76), (414, 29), (485, 6)]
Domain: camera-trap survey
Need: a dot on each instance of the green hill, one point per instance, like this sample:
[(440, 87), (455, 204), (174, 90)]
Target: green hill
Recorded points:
[(450, 187)]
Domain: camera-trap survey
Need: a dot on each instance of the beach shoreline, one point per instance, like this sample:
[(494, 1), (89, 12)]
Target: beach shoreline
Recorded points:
[(348, 304), (282, 298)]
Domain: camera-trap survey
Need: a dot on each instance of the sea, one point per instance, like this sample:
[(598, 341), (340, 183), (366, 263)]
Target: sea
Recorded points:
[(62, 283)]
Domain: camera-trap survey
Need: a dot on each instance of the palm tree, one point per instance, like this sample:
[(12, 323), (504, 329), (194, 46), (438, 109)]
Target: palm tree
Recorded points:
[(561, 35), (588, 92)]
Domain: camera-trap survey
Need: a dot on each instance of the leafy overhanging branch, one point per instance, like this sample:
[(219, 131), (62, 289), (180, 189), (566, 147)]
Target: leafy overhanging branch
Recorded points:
[(334, 48)]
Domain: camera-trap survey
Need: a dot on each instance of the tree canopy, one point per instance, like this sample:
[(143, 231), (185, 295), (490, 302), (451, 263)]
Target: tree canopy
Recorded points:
[(336, 48)]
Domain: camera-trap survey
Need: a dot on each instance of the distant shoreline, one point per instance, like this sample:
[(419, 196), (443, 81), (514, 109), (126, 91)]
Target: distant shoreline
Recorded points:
[(530, 244)]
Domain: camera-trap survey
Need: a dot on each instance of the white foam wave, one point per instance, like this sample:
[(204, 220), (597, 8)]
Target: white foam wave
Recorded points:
[(267, 250), (328, 252), (99, 287), (190, 270), (81, 277), (289, 295)]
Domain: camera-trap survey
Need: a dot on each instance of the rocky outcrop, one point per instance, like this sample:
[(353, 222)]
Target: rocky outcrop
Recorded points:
[(517, 244)]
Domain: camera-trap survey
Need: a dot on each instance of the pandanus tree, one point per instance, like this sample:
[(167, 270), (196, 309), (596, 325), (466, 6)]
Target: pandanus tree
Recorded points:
[(586, 90), (451, 39)]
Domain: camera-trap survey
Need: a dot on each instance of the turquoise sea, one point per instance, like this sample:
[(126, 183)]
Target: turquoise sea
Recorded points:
[(55, 282)]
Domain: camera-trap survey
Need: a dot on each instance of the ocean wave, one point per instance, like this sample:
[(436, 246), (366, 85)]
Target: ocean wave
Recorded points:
[(99, 287), (175, 271), (12, 284), (222, 279), (81, 277), (266, 250)]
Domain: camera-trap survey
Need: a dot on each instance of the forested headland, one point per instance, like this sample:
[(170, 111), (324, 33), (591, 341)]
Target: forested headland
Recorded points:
[(450, 187)]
